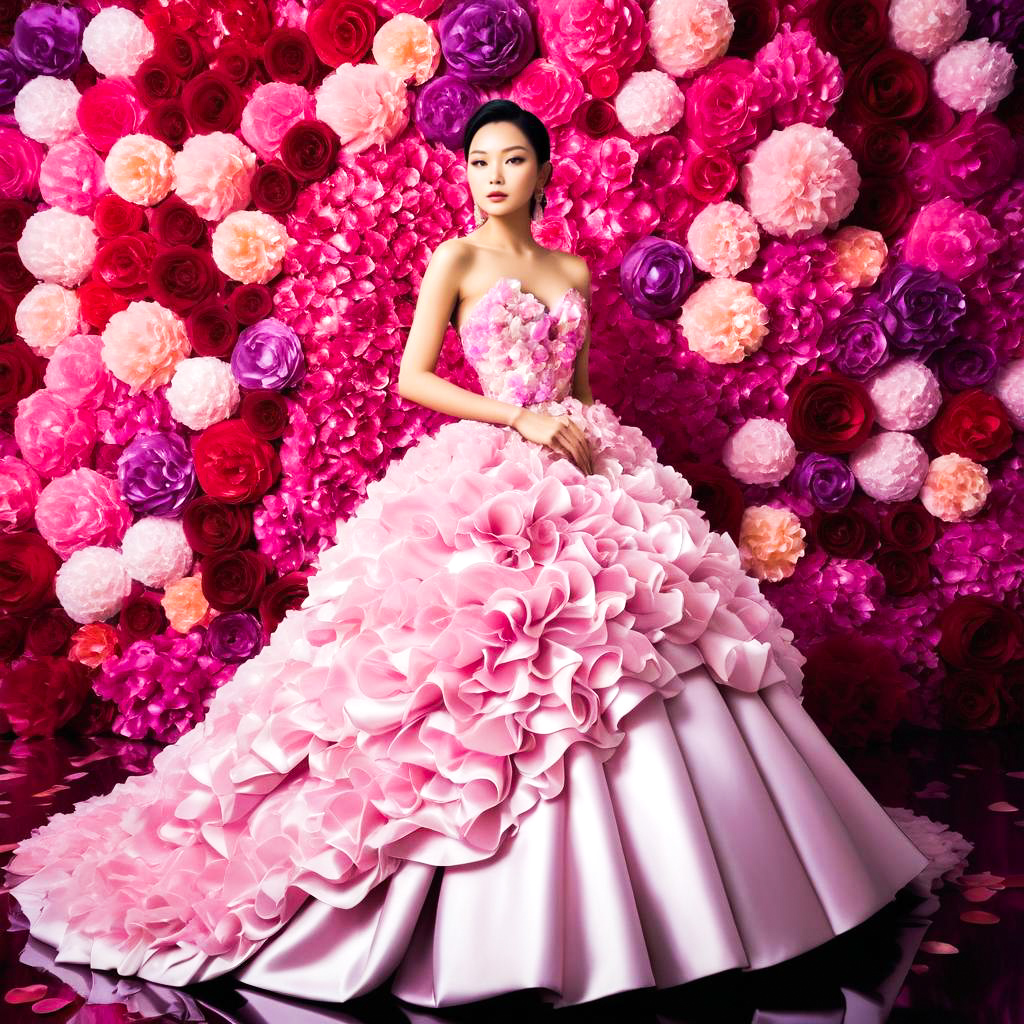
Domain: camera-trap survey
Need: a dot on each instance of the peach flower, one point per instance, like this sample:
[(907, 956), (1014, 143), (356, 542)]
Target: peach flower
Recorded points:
[(213, 173), (723, 239), (249, 246), (47, 316), (724, 321), (860, 255), (955, 487), (185, 605), (93, 644), (140, 169), (771, 542), (407, 46), (366, 105), (143, 344)]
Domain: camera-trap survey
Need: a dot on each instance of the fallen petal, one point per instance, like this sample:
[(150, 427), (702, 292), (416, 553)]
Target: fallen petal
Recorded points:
[(24, 994)]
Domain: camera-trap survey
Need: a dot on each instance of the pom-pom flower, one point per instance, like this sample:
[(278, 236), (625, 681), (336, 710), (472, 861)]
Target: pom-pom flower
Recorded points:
[(249, 246), (268, 356), (140, 169), (759, 452), (54, 437), (906, 395), (273, 109), (955, 487), (649, 103), (202, 391), (890, 466), (19, 492), (185, 604), (800, 180), (213, 173), (723, 239), (974, 75), (860, 255), (724, 321), (365, 104), (156, 552), (72, 177), (1008, 387), (771, 542), (116, 42), (927, 28), (81, 509), (58, 246), (47, 316), (143, 344), (46, 109), (406, 45), (687, 35), (93, 584)]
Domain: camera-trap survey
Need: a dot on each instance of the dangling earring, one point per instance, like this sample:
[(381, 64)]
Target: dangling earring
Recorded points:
[(539, 207), (478, 215)]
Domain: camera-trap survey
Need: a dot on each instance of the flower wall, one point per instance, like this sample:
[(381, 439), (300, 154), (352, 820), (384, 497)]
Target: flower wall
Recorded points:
[(805, 227)]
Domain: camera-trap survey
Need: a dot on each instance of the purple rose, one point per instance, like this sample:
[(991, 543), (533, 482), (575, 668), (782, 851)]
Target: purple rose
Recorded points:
[(157, 474), (268, 355), (861, 342), (967, 364), (921, 308), (234, 636), (486, 41), (443, 106), (48, 39), (656, 275), (12, 77), (825, 480)]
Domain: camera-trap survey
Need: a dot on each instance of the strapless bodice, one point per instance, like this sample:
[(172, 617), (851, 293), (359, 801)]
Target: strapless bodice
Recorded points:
[(523, 352)]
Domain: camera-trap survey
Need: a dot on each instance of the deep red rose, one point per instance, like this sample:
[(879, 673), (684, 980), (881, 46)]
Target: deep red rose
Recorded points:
[(233, 464), (890, 85), (213, 526), (308, 150), (99, 303), (265, 412), (85, 76), (213, 103), (114, 216), (905, 572), (884, 204), (6, 319), (907, 524), (710, 176), (879, 149), (233, 580), (181, 277), (174, 222), (717, 494), (274, 190), (21, 372), (40, 696), (251, 302), (973, 424), (157, 79), (289, 57), (15, 279), (597, 118), (850, 29), (212, 329), (844, 533), (49, 632), (181, 52), (141, 616), (13, 215), (27, 569), (246, 19), (937, 120), (756, 22), (830, 413), (12, 637), (108, 111), (123, 263), (972, 699), (342, 30), (979, 633), (236, 60), (282, 595), (167, 122)]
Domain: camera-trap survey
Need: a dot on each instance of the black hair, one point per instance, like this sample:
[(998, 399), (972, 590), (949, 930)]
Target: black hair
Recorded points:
[(525, 120)]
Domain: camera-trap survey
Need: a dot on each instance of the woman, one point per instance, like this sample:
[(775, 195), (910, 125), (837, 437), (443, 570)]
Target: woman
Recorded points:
[(534, 726)]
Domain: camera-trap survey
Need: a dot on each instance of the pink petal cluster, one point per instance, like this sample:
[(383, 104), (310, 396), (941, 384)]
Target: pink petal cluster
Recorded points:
[(974, 75), (47, 316), (54, 437), (272, 109), (649, 103), (724, 321), (890, 466), (1008, 387), (116, 42), (687, 35), (155, 551), (77, 373), (906, 395), (46, 109), (955, 487), (365, 104), (949, 236), (406, 45), (927, 28), (143, 344), (250, 246), (72, 176), (549, 90), (805, 82), (860, 255), (759, 452), (203, 391), (93, 584), (80, 509), (19, 492), (140, 169), (58, 246), (723, 239), (213, 173), (771, 542)]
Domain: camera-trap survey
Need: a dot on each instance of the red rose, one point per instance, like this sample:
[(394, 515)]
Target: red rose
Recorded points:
[(50, 632), (288, 57), (879, 149), (251, 302), (235, 59), (13, 215), (212, 526), (597, 118), (27, 569), (308, 150), (108, 111), (180, 50), (233, 464), (6, 319), (12, 637), (141, 617), (15, 279), (971, 699), (40, 696), (883, 204), (213, 103), (829, 413), (717, 494), (115, 216), (711, 176), (157, 79), (246, 19), (979, 633), (233, 580), (174, 222), (907, 524), (182, 277), (973, 424), (265, 413), (890, 85), (167, 122), (342, 30), (21, 373), (850, 29), (934, 122), (283, 594), (212, 329), (905, 572), (755, 24), (274, 190), (99, 303), (123, 264), (844, 533)]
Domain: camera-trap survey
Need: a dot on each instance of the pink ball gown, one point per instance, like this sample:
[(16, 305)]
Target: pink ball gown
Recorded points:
[(532, 729)]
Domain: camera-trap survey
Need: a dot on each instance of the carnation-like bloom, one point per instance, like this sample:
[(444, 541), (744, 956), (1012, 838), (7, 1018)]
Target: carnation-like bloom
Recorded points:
[(46, 109), (47, 316), (140, 168), (906, 395), (249, 246), (976, 74), (724, 321), (93, 584), (79, 509), (116, 42), (185, 604), (890, 466), (723, 239), (687, 35), (771, 542), (272, 109), (58, 246), (649, 103), (407, 46), (143, 344), (759, 452), (955, 487), (72, 177), (366, 105), (927, 28), (93, 643), (213, 173), (202, 391), (156, 552), (860, 255)]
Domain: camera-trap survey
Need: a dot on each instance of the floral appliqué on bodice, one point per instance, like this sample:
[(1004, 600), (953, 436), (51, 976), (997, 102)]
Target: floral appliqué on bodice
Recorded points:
[(523, 352)]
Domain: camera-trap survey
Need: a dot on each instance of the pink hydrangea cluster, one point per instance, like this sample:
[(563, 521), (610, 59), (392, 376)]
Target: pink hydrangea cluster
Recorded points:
[(213, 173), (366, 105)]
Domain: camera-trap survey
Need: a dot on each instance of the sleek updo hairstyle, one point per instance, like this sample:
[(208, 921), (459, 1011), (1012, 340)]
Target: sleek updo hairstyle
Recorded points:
[(526, 121)]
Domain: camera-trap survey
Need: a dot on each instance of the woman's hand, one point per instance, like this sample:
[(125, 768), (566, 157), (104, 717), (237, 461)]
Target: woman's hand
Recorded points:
[(559, 433)]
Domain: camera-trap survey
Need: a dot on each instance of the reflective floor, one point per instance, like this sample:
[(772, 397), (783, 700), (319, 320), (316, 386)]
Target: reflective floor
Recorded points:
[(954, 958)]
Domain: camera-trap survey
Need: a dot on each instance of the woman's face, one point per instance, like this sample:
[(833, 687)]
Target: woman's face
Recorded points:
[(501, 159)]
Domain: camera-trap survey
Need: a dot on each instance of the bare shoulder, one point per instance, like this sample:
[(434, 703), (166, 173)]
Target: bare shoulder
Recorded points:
[(576, 270), (451, 254)]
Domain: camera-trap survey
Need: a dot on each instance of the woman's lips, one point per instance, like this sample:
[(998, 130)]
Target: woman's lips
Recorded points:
[(497, 195)]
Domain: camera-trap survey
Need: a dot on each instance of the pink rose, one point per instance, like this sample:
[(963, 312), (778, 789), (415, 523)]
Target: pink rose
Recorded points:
[(729, 107), (271, 111), (76, 371), (54, 436), (20, 159), (82, 508), (19, 491), (109, 110)]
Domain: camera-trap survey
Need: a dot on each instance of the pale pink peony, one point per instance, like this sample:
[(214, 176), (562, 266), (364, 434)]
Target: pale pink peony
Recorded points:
[(724, 321), (1008, 387), (156, 552), (92, 585), (365, 104), (955, 487), (82, 508), (249, 246), (549, 90), (213, 173), (723, 239), (58, 246), (140, 169), (72, 177), (47, 316), (890, 466), (116, 42), (143, 344), (77, 373), (687, 35), (649, 103), (93, 643), (272, 109), (54, 437), (46, 109), (202, 392), (19, 492), (860, 255), (800, 180), (771, 542), (759, 452), (927, 28), (185, 604), (974, 75), (406, 45), (906, 395)]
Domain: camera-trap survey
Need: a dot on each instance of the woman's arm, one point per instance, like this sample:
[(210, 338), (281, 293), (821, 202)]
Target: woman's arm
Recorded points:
[(581, 376), (417, 381)]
